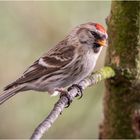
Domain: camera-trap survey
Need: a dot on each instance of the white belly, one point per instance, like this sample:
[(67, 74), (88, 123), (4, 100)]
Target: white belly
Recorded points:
[(89, 63)]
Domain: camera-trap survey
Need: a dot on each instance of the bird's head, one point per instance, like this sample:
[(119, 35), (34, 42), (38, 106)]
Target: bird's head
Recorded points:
[(92, 34)]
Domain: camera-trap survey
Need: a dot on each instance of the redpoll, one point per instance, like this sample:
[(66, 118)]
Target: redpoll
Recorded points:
[(69, 62)]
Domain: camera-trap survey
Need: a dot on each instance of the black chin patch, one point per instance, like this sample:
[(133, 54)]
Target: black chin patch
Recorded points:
[(96, 47), (96, 50)]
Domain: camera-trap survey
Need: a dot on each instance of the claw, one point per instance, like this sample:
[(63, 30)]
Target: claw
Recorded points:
[(65, 93), (79, 88), (68, 97)]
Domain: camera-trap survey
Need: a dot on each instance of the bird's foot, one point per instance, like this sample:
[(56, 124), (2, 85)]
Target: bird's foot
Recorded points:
[(64, 92), (79, 88)]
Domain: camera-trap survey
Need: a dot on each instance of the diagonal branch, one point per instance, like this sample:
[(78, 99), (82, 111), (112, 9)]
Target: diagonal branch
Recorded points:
[(96, 77)]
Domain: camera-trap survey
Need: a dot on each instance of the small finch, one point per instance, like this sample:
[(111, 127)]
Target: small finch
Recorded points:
[(69, 62)]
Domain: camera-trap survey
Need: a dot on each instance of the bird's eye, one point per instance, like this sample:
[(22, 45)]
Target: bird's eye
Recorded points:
[(96, 35)]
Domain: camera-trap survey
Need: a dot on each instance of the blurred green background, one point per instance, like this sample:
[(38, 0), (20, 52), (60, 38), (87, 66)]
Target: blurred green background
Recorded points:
[(27, 30)]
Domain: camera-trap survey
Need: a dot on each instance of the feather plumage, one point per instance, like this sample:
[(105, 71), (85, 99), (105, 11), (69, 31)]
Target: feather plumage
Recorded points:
[(67, 63)]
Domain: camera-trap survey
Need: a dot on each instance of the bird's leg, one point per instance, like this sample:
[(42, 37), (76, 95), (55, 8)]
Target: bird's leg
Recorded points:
[(79, 88), (64, 92)]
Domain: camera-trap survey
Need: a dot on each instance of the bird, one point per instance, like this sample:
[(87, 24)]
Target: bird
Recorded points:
[(64, 65)]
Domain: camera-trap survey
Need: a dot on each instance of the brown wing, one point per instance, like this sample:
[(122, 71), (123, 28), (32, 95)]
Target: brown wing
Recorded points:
[(55, 59)]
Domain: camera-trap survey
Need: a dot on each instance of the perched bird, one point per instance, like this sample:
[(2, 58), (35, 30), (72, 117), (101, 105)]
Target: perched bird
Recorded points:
[(69, 62)]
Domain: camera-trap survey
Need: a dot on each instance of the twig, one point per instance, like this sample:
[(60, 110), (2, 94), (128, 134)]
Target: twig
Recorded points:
[(96, 77)]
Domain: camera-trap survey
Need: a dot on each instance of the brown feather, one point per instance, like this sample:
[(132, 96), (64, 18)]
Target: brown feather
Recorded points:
[(65, 57)]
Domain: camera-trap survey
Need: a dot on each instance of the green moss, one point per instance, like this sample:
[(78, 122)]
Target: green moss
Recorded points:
[(123, 31), (107, 72), (123, 91)]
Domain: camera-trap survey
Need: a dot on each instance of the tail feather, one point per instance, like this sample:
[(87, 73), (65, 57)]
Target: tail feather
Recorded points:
[(9, 93)]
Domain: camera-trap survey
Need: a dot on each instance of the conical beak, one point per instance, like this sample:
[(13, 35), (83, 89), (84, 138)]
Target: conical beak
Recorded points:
[(102, 42)]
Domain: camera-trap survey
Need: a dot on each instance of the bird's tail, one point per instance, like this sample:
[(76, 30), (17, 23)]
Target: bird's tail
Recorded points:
[(8, 93)]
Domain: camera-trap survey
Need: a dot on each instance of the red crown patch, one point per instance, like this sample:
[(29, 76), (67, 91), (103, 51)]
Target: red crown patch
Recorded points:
[(100, 27)]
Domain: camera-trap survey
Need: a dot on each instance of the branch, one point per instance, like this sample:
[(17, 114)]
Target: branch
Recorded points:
[(96, 77)]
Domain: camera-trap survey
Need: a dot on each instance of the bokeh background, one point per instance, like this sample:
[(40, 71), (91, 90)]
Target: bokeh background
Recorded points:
[(27, 30)]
